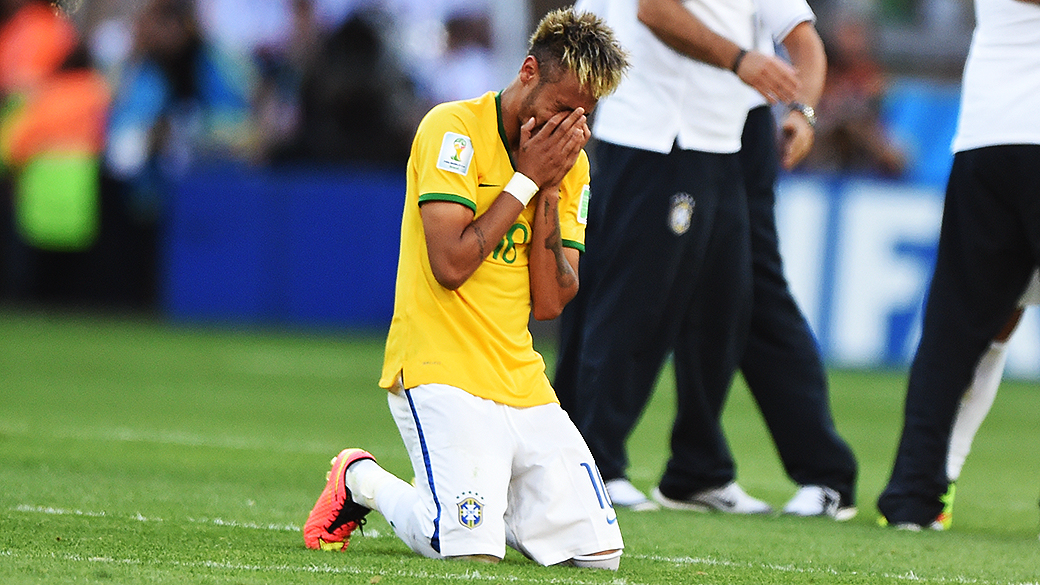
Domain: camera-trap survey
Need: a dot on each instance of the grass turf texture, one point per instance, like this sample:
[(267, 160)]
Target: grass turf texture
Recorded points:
[(132, 452)]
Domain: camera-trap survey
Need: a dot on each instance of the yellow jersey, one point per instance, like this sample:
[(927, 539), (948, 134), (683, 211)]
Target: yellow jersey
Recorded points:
[(475, 337)]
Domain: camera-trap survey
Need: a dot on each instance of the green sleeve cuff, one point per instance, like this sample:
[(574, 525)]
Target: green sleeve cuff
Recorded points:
[(574, 244), (447, 197)]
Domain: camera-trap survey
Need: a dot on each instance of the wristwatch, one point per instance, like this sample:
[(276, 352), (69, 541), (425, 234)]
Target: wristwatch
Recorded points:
[(806, 110)]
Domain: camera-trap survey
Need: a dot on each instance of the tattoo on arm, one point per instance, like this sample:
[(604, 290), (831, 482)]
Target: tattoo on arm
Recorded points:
[(554, 243), (481, 240)]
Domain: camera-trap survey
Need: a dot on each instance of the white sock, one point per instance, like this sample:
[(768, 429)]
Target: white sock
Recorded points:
[(398, 501), (974, 406), (366, 479)]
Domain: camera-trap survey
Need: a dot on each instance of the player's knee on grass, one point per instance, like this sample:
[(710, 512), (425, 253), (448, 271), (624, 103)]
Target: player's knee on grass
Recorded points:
[(610, 560)]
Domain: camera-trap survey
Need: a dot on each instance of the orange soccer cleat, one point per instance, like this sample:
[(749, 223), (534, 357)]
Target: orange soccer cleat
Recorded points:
[(336, 515)]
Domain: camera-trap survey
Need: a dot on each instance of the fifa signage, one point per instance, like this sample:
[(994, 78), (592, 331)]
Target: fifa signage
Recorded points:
[(858, 254)]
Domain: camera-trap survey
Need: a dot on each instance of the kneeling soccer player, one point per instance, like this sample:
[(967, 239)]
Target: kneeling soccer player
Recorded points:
[(493, 224)]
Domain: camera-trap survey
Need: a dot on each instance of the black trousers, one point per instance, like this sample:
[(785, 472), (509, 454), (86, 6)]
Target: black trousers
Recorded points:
[(667, 269), (989, 244), (781, 363)]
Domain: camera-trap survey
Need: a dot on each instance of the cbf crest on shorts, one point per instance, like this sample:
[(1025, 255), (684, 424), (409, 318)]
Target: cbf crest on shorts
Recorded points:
[(471, 510), (681, 213)]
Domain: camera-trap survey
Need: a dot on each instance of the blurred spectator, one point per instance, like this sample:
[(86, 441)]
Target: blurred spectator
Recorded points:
[(851, 136), (111, 43), (51, 140), (280, 38), (243, 26), (179, 101), (357, 102), (465, 69), (52, 112), (282, 66), (34, 41)]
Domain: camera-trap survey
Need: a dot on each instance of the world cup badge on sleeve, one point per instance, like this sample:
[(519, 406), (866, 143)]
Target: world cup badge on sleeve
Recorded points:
[(456, 153)]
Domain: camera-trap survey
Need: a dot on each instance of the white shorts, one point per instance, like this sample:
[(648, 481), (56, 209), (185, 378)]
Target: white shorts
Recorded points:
[(1032, 294), (489, 475)]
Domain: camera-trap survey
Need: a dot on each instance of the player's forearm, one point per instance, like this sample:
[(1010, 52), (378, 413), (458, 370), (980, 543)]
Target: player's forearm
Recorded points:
[(678, 28), (554, 275), (806, 51), (807, 54), (457, 243)]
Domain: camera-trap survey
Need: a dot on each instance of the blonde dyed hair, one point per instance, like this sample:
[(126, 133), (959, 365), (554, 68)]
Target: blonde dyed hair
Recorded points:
[(580, 42)]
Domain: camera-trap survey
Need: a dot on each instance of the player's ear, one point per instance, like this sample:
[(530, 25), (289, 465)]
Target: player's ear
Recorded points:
[(529, 70)]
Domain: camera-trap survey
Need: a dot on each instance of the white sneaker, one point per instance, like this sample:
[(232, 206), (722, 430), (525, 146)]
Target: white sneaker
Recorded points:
[(622, 493), (817, 500), (728, 498)]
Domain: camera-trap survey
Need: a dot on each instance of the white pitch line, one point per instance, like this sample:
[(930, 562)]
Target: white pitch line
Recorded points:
[(184, 439), (55, 511), (368, 533), (251, 525), (178, 438), (138, 517), (469, 575)]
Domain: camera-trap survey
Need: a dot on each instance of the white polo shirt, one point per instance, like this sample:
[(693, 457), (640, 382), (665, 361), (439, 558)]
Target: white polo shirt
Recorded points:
[(774, 20), (1000, 99), (669, 98)]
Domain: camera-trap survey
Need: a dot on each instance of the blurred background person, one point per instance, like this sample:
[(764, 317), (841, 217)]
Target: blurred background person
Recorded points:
[(282, 66), (35, 39), (781, 364), (357, 101), (281, 39), (667, 268), (466, 66), (51, 136), (851, 136), (179, 100)]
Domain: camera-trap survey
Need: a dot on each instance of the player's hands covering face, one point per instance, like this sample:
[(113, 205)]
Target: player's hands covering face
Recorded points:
[(546, 154)]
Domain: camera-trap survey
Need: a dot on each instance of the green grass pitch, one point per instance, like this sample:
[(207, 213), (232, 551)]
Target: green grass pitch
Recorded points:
[(133, 451)]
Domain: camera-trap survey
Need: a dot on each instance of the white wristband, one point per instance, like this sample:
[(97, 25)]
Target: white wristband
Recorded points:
[(522, 188)]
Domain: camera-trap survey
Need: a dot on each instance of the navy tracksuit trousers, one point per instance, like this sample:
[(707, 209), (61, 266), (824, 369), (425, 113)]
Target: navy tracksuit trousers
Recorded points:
[(781, 363), (989, 244), (646, 292)]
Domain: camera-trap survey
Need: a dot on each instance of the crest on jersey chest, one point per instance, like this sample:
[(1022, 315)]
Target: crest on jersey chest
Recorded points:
[(680, 213)]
